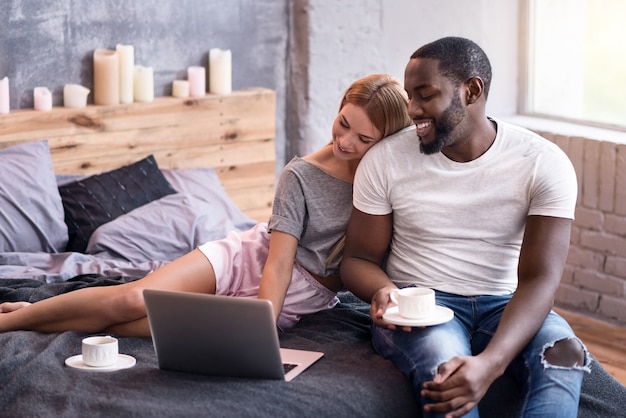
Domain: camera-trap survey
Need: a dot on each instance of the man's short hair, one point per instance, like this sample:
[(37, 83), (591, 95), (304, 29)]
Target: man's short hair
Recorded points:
[(459, 60)]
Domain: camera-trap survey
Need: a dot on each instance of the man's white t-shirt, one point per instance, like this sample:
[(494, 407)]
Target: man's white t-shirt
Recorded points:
[(458, 227)]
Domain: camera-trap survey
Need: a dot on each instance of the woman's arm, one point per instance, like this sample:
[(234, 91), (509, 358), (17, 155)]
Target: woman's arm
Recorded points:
[(278, 269)]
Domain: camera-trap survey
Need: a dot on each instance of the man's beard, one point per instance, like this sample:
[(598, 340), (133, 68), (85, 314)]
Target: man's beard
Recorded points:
[(450, 119)]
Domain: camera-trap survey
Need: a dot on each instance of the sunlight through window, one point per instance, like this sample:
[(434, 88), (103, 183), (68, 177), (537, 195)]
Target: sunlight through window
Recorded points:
[(577, 61)]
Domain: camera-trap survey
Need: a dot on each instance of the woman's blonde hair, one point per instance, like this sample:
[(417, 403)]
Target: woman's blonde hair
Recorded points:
[(385, 103), (383, 99)]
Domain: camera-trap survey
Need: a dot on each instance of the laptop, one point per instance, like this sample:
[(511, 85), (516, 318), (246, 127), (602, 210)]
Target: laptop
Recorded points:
[(220, 336)]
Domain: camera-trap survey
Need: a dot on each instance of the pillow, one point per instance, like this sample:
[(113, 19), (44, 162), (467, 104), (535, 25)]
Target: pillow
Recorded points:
[(174, 225), (203, 185), (96, 200), (31, 213)]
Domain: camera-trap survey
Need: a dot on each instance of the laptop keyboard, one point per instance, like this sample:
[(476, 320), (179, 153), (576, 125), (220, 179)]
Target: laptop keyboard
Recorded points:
[(287, 367)]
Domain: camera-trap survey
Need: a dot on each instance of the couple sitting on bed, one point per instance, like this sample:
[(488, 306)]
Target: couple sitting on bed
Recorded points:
[(475, 208)]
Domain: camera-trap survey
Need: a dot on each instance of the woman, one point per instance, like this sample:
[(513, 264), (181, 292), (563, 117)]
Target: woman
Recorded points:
[(293, 260)]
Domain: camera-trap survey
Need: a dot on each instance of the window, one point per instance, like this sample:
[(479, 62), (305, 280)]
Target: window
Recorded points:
[(576, 67)]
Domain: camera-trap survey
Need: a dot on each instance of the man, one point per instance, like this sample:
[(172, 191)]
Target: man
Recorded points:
[(480, 211)]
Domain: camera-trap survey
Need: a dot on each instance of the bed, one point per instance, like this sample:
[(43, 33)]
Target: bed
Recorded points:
[(103, 195)]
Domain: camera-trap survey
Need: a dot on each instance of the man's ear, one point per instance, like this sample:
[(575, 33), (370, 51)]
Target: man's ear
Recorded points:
[(475, 89)]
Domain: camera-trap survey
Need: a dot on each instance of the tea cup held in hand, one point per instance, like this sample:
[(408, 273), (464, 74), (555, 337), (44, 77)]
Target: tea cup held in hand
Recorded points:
[(414, 302), (100, 351)]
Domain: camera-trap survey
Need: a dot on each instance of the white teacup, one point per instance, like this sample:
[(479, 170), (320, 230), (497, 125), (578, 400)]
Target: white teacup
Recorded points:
[(414, 302), (100, 351)]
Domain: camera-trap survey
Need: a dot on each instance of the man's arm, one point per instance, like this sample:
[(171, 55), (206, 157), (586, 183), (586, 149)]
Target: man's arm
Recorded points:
[(542, 260), (367, 240), (463, 381)]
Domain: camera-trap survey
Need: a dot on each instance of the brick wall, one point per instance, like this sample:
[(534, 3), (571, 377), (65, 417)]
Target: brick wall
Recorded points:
[(594, 280)]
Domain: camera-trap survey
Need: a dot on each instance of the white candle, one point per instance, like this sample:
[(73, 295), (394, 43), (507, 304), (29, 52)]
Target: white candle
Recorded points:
[(220, 71), (143, 84), (106, 77), (42, 98), (127, 64), (75, 95), (4, 96), (180, 88), (197, 81)]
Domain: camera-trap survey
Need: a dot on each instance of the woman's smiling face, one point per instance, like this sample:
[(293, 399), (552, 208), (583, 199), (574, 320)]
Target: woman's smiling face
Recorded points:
[(353, 133)]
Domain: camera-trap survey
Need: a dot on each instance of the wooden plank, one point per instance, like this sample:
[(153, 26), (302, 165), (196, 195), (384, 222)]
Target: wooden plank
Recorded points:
[(244, 176), (242, 107), (251, 187), (256, 198), (200, 131), (90, 160), (232, 133)]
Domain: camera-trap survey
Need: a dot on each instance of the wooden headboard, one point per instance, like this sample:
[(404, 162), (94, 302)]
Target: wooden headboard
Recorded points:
[(233, 133)]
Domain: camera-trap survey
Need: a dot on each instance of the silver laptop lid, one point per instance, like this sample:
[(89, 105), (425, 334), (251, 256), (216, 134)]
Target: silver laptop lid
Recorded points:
[(214, 335)]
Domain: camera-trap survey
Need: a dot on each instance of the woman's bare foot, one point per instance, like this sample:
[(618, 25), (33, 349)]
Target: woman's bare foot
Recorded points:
[(7, 307)]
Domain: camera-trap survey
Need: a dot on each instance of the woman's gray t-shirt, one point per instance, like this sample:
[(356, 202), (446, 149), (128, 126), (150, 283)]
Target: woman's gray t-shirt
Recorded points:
[(314, 207)]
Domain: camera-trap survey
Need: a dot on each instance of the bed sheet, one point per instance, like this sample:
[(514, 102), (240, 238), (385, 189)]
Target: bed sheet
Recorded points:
[(351, 380)]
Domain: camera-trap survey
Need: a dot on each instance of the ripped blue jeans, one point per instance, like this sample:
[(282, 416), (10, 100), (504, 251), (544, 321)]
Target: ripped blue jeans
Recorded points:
[(548, 390)]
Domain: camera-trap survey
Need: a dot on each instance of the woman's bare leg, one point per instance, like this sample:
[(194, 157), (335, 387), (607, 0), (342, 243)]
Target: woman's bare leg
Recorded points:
[(12, 306), (98, 308), (137, 328)]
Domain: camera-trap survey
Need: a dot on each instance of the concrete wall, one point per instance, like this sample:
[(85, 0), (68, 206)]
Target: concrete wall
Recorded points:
[(51, 43), (348, 39)]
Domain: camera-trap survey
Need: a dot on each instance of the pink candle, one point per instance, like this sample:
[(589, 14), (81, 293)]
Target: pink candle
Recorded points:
[(4, 96), (197, 81), (43, 99)]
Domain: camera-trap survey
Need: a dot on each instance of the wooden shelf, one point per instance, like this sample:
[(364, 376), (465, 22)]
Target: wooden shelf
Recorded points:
[(232, 133)]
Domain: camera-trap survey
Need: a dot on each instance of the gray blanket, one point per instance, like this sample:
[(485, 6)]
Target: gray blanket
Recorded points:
[(351, 380)]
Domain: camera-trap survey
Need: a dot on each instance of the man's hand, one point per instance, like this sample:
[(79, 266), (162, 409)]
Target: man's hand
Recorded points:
[(380, 304), (459, 385)]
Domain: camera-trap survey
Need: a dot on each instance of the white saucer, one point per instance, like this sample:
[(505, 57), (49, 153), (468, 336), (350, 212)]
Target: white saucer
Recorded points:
[(441, 315), (123, 362)]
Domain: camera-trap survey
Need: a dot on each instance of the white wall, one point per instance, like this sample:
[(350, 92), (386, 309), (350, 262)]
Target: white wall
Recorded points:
[(351, 38)]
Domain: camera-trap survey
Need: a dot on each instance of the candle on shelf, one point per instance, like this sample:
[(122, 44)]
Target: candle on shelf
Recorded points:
[(106, 77), (4, 96), (220, 71), (143, 84), (75, 95), (180, 88), (197, 81), (127, 63), (42, 98)]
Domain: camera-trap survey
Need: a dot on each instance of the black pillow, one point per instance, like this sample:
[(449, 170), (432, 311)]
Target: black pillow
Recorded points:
[(96, 200)]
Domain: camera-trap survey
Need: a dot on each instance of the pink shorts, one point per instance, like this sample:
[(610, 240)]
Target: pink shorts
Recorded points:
[(238, 262)]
